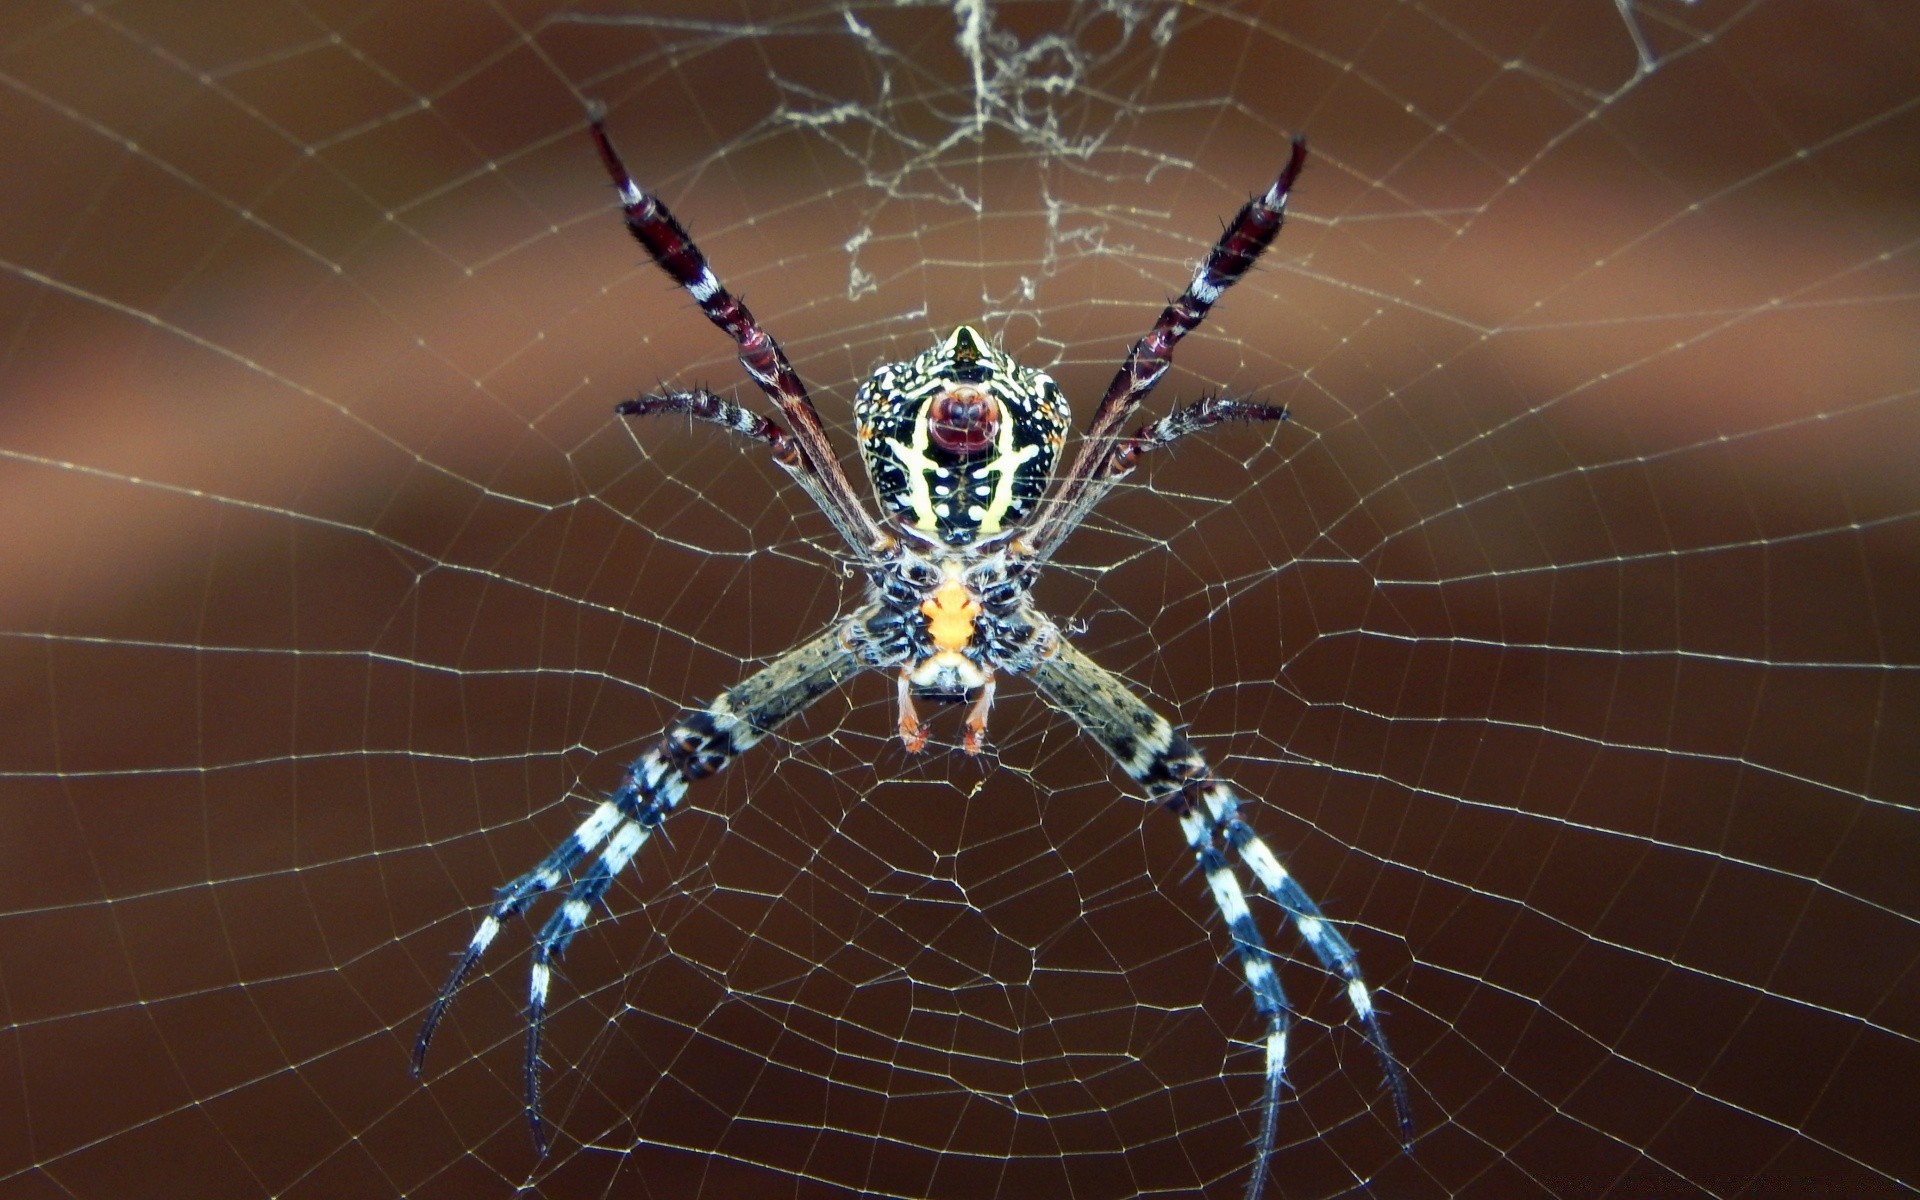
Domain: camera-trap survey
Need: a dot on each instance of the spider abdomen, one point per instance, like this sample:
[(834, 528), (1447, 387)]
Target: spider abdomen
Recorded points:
[(960, 441)]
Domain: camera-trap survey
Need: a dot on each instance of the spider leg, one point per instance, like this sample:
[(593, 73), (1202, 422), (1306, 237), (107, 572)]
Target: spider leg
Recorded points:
[(1246, 237), (815, 464), (699, 743), (1150, 751), (569, 919), (1203, 414), (703, 405), (550, 871), (1256, 964), (1322, 936)]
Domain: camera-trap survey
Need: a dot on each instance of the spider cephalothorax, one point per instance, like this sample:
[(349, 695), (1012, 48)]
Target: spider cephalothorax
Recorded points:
[(948, 620), (960, 443)]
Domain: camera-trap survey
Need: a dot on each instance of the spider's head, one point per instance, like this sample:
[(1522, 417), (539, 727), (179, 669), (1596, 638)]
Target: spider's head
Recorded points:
[(961, 441)]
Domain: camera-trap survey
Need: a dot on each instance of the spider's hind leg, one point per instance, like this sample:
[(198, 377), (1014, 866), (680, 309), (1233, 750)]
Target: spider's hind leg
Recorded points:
[(1246, 237), (1203, 414), (703, 405), (807, 453)]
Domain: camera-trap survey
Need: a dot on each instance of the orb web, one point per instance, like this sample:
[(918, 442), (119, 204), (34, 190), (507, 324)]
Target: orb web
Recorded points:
[(1565, 636)]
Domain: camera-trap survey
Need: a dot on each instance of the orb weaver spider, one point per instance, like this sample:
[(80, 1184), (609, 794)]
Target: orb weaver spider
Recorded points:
[(960, 444)]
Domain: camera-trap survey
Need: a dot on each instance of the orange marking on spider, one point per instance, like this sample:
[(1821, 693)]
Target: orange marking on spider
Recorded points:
[(950, 613)]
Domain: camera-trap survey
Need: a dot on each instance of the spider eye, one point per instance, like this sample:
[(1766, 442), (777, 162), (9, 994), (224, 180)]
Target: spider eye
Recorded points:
[(963, 421)]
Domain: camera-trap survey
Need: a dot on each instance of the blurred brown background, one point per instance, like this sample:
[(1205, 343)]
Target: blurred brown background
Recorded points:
[(1568, 634)]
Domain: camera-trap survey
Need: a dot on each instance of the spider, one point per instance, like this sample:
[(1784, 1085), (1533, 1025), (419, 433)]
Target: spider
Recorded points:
[(960, 444)]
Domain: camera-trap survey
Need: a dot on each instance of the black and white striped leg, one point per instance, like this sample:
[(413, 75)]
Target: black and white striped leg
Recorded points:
[(1256, 964), (1241, 244), (699, 743), (567, 920), (1150, 751), (813, 461), (1322, 936), (703, 405), (1203, 414), (549, 872)]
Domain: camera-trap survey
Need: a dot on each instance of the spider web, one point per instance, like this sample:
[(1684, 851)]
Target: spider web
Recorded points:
[(1567, 636)]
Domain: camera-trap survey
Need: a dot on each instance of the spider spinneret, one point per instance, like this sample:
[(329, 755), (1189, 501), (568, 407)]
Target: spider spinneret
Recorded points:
[(960, 444)]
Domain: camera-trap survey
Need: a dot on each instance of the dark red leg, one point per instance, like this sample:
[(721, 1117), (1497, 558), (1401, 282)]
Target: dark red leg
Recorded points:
[(1249, 234), (703, 405), (673, 248)]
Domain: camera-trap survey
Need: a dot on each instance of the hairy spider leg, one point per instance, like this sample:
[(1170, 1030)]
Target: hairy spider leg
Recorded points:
[(699, 743), (587, 892), (703, 405), (548, 872), (1176, 775), (1246, 237), (1322, 936), (1203, 414), (817, 467), (1256, 961)]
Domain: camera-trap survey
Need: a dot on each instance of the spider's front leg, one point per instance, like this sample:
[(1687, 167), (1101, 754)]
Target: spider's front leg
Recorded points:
[(1150, 751), (699, 743)]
